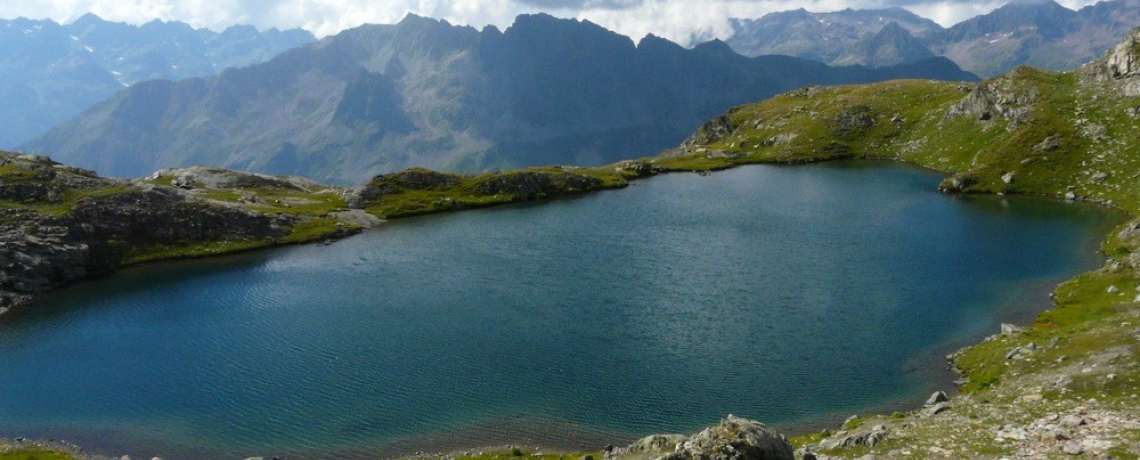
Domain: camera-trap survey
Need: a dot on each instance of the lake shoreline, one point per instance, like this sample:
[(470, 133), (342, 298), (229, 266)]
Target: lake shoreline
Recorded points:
[(803, 428)]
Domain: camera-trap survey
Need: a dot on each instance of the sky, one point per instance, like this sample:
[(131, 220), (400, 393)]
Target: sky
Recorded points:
[(684, 21)]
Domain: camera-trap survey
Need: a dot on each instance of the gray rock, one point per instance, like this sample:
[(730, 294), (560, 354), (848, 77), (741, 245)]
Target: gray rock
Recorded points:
[(1010, 329), (779, 139), (712, 131), (936, 397), (1050, 144), (357, 217), (863, 439), (1072, 448), (734, 438), (1007, 177), (957, 183), (855, 118), (1072, 421), (219, 178), (936, 409)]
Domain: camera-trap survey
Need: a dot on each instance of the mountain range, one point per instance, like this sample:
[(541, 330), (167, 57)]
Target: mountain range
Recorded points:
[(1041, 33), (427, 93), (50, 72)]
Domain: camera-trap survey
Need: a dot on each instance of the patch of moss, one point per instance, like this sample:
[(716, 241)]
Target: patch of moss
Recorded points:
[(467, 192), (33, 453), (315, 229), (189, 249)]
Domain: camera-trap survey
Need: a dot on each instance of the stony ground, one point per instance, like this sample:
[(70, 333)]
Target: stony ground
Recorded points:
[(1055, 403)]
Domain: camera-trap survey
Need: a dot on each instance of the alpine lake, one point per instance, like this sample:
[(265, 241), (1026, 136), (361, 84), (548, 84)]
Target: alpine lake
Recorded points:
[(794, 295)]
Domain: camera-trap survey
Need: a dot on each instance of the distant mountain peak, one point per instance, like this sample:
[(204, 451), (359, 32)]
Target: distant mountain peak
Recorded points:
[(62, 69), (88, 18), (715, 46)]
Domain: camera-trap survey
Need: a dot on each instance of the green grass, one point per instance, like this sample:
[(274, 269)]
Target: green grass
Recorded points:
[(33, 453), (11, 173), (468, 192), (189, 249), (909, 124), (314, 229)]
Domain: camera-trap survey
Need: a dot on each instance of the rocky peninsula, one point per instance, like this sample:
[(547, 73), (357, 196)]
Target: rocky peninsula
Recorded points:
[(1066, 386)]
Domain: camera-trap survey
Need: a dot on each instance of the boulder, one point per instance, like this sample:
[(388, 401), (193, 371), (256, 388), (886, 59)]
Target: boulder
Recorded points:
[(1010, 329), (713, 130), (863, 439), (936, 398), (734, 438), (936, 409)]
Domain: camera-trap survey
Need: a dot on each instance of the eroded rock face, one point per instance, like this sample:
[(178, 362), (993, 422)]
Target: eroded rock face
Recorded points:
[(734, 438), (712, 131), (853, 119), (995, 99), (1120, 64), (86, 224), (35, 256), (1122, 61)]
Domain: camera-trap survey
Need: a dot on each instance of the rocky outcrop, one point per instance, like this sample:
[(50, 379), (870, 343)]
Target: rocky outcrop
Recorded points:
[(712, 131), (390, 184), (852, 120), (1121, 64), (68, 223), (998, 99), (218, 178), (1129, 236), (531, 185), (35, 256), (734, 438)]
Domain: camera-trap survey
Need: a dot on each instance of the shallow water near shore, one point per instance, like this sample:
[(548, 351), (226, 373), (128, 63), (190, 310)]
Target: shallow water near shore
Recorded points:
[(785, 294)]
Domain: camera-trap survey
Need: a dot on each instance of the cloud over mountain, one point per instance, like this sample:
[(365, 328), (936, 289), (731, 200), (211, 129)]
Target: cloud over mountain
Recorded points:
[(683, 21)]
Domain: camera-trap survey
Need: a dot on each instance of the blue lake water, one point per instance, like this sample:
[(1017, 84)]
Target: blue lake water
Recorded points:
[(787, 294)]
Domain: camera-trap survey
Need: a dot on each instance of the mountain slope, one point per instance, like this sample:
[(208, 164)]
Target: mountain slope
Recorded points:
[(892, 45), (1043, 34), (425, 93), (824, 37), (50, 72)]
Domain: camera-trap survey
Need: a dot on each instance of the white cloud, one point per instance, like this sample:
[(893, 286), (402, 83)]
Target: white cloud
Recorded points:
[(683, 21)]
